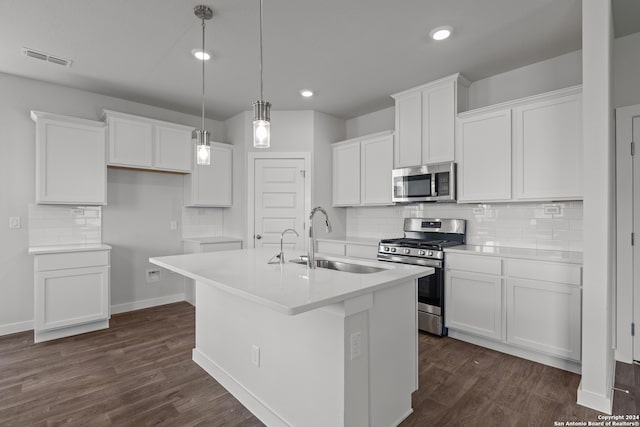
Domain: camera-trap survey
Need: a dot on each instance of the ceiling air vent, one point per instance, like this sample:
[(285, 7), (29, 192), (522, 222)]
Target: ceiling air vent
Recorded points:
[(31, 53)]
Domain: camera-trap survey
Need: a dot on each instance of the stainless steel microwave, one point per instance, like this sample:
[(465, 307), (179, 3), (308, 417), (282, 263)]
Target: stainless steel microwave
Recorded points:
[(434, 182)]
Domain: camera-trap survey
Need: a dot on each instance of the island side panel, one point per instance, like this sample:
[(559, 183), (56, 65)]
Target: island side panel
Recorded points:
[(393, 351), (301, 373)]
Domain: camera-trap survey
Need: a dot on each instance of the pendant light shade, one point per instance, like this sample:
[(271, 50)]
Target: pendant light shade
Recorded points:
[(261, 109), (203, 144)]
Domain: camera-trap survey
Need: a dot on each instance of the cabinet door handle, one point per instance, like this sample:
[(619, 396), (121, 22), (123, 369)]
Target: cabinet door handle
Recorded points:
[(258, 236)]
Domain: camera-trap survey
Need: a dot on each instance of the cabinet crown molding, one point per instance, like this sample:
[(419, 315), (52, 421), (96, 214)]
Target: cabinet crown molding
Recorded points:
[(461, 79), (371, 135), (41, 115), (106, 114)]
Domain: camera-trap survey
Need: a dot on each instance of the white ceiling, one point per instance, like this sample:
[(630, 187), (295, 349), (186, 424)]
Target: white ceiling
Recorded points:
[(352, 53)]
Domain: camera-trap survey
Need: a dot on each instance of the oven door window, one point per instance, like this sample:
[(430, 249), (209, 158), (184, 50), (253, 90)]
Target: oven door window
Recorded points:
[(412, 186), (430, 289)]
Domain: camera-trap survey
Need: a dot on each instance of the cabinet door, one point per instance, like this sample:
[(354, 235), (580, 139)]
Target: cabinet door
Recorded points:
[(130, 142), (376, 159), (71, 297), (408, 149), (172, 148), (473, 303), (70, 162), (544, 317), (346, 174), (438, 125), (483, 153), (548, 149), (211, 186)]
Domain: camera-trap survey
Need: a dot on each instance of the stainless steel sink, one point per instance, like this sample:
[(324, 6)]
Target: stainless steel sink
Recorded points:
[(347, 267)]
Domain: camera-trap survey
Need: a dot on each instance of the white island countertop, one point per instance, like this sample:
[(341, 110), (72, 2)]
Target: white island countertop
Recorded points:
[(290, 288), (212, 239)]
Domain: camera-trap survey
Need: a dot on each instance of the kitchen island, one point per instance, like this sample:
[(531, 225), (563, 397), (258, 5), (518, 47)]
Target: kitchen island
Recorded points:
[(306, 347)]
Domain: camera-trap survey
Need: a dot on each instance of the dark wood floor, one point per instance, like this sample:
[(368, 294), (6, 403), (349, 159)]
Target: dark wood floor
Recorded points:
[(139, 372)]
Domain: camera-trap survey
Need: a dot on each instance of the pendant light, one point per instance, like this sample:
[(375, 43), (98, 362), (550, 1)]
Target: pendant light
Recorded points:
[(261, 109), (203, 150)]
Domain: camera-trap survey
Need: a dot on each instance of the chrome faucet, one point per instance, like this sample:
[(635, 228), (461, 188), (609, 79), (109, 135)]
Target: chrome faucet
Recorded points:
[(279, 258), (311, 254)]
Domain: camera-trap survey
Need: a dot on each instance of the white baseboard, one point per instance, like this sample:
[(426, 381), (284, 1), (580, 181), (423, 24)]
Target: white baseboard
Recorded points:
[(248, 399), (12, 328), (146, 303), (596, 401)]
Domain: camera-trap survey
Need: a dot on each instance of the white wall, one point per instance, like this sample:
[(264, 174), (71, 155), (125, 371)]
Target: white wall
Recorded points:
[(626, 71), (238, 131), (377, 121), (326, 130), (599, 243), (17, 177)]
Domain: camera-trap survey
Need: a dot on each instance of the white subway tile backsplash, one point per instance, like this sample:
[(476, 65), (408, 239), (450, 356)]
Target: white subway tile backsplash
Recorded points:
[(520, 225), (198, 222), (62, 225)]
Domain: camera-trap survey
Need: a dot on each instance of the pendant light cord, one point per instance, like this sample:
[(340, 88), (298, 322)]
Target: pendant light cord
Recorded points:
[(261, 94), (203, 61)]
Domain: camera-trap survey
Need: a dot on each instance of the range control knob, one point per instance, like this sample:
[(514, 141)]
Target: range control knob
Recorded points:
[(407, 251), (421, 252), (430, 253), (393, 249), (386, 248)]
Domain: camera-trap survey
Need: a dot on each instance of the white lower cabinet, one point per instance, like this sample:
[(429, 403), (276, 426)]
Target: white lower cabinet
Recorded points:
[(544, 317), (346, 248), (474, 303), (71, 294), (528, 308)]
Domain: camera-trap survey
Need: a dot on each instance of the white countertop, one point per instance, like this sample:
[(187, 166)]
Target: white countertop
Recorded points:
[(369, 241), (212, 239), (533, 254), (39, 250), (289, 288)]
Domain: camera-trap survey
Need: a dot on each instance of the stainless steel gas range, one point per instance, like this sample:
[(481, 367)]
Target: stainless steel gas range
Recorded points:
[(423, 244)]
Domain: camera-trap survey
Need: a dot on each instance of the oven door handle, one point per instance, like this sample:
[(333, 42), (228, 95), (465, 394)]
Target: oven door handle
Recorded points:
[(424, 262)]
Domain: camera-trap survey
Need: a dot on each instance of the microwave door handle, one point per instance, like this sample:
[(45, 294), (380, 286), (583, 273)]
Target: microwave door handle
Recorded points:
[(434, 191)]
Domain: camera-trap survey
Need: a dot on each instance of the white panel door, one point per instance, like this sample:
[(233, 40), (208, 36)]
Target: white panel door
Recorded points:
[(544, 317), (408, 150), (346, 174), (548, 149), (483, 153), (376, 161), (172, 148), (278, 202), (130, 142), (438, 126), (473, 303)]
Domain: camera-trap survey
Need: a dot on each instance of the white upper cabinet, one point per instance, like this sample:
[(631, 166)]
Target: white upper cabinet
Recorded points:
[(548, 149), (143, 143), (346, 173), (70, 160), (484, 157), (211, 186), (529, 149), (362, 170), (425, 121)]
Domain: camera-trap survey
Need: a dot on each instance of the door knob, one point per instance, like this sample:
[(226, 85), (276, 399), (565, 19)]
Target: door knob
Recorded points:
[(258, 236)]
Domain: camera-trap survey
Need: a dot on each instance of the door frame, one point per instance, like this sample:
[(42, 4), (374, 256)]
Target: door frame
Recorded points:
[(624, 311), (251, 163)]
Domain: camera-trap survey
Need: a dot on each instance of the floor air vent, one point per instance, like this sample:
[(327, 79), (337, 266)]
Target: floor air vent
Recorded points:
[(31, 53)]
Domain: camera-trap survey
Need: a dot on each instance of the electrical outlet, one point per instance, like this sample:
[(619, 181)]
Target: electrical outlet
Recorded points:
[(478, 211), (255, 355), (173, 225), (551, 209), (77, 211), (153, 276), (356, 345), (15, 222)]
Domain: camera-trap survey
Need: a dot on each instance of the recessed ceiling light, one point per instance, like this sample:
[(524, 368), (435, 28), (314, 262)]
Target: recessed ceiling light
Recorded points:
[(441, 33), (201, 55), (307, 93)]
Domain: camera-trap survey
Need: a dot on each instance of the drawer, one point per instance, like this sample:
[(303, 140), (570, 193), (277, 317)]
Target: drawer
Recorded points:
[(216, 247), (362, 251), (330, 248), (61, 261), (474, 263), (545, 271)]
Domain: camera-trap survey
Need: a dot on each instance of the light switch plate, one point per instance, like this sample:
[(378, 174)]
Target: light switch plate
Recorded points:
[(173, 225), (15, 222), (255, 355), (356, 345)]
